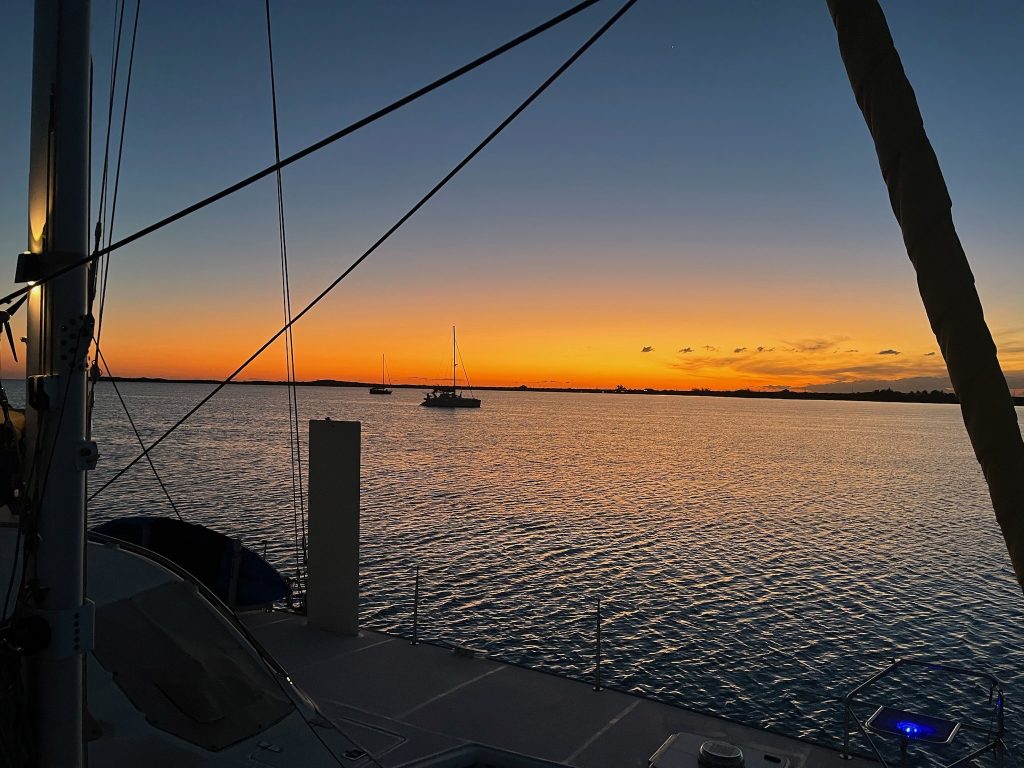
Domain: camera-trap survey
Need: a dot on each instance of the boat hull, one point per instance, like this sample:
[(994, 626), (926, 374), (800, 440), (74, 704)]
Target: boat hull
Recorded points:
[(451, 402)]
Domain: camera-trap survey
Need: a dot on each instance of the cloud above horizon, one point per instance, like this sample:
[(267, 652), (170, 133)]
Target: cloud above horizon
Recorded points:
[(816, 344), (647, 349), (890, 352), (686, 350)]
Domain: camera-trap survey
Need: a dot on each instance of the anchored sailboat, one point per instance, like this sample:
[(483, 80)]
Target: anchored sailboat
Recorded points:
[(382, 389), (450, 397)]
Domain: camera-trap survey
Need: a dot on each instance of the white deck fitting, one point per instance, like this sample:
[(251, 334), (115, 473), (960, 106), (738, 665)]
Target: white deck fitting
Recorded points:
[(410, 699)]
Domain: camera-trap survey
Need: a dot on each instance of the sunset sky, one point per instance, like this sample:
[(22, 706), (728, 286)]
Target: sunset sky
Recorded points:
[(696, 203)]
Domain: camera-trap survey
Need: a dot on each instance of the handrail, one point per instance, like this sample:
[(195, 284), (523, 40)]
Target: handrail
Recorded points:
[(994, 743)]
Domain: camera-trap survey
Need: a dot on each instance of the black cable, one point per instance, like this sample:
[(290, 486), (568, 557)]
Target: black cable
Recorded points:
[(117, 171), (115, 55), (352, 128), (135, 429), (14, 573), (17, 540), (294, 434), (380, 241)]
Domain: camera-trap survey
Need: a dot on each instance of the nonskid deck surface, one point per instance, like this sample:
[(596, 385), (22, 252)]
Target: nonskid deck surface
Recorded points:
[(399, 697)]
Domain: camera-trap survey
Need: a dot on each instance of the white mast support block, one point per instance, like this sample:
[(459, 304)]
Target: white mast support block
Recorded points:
[(332, 582)]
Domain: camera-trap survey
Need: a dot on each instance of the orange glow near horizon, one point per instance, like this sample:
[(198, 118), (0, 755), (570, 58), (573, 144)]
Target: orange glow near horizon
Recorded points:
[(578, 329), (569, 343)]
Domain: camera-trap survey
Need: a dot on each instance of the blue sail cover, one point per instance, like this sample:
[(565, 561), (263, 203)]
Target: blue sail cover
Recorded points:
[(207, 555)]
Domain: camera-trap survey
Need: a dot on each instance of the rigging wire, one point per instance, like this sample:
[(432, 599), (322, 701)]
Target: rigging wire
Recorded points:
[(135, 429), (383, 238), (294, 434), (115, 54), (315, 147), (465, 371), (117, 171)]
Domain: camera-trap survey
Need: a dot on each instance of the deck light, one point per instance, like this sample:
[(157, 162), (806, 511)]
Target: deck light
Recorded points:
[(910, 725), (909, 728)]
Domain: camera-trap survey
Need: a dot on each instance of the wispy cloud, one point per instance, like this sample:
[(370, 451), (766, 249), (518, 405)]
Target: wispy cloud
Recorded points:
[(766, 349), (890, 352), (929, 354), (738, 350), (686, 350), (709, 348), (816, 344), (647, 349), (802, 369)]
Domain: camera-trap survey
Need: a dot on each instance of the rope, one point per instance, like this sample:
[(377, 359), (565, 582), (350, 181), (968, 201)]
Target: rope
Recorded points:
[(294, 434), (352, 128), (380, 241), (135, 429)]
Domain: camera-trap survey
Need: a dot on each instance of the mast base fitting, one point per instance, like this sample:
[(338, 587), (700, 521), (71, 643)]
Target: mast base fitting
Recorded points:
[(86, 455), (72, 631), (43, 391)]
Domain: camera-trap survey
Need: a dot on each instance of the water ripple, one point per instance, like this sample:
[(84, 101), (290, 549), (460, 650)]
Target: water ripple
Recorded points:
[(755, 559)]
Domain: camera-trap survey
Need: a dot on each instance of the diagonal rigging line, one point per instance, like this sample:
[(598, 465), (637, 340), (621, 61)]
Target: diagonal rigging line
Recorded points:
[(135, 429), (380, 241), (327, 140), (294, 433)]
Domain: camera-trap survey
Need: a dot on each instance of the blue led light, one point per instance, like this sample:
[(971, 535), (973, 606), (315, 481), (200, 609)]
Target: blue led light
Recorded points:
[(909, 728)]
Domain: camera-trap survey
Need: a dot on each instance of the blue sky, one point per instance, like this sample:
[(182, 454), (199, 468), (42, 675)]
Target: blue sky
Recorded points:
[(702, 170)]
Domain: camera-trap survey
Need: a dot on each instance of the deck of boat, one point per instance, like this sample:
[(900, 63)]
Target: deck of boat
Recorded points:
[(401, 702)]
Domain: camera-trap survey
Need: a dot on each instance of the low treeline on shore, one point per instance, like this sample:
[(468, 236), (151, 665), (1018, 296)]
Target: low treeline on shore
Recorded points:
[(875, 395)]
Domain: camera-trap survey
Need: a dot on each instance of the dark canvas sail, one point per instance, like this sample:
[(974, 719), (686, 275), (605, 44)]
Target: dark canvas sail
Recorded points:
[(922, 206)]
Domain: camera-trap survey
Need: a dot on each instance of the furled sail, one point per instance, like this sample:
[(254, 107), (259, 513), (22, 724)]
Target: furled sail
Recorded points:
[(922, 206)]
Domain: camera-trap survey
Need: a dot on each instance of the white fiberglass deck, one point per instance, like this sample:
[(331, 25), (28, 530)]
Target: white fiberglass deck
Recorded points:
[(401, 702)]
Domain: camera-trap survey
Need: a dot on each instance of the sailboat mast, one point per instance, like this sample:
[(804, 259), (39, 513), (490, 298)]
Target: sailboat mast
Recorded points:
[(59, 335), (453, 357), (382, 369)]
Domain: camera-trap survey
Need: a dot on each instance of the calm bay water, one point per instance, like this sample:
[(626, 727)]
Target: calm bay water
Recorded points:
[(755, 559)]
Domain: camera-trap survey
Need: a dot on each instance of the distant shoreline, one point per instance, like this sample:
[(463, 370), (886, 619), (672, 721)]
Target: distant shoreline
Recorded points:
[(874, 396)]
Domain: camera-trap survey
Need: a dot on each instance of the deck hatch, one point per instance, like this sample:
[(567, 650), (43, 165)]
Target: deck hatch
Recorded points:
[(179, 664)]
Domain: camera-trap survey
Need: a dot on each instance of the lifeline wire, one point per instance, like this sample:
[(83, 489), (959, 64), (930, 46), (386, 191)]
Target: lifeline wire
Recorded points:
[(352, 128), (380, 241)]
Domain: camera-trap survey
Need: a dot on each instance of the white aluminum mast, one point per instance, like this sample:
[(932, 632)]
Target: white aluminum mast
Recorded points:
[(59, 335)]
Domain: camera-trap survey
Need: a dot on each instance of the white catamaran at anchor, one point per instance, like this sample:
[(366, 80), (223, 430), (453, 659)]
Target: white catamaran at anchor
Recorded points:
[(450, 397)]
